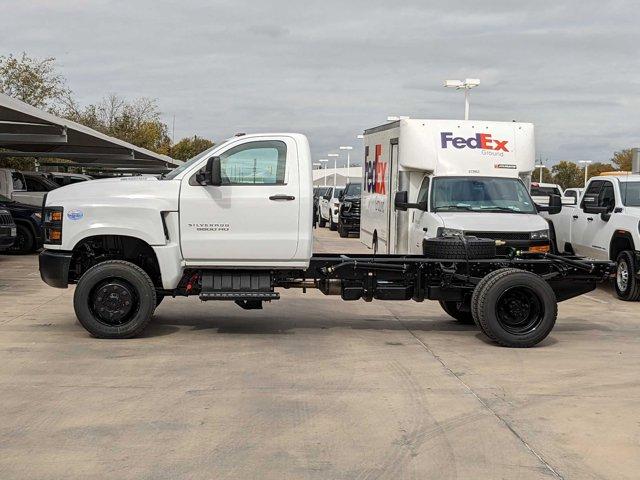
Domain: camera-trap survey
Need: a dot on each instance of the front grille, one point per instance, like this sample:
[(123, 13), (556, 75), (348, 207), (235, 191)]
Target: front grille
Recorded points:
[(5, 218), (500, 235)]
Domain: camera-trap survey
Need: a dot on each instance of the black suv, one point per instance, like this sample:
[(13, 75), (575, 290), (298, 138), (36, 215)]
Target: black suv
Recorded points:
[(7, 230), (28, 220), (349, 216)]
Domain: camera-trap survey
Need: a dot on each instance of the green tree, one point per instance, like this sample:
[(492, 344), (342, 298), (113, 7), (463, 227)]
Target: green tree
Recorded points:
[(547, 176), (567, 174), (33, 81), (622, 159), (597, 168), (136, 122), (190, 147)]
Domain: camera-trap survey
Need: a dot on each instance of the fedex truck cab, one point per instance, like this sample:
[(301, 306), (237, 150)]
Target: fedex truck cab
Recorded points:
[(439, 178)]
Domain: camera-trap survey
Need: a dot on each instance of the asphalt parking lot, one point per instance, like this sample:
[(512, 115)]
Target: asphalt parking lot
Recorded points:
[(313, 388)]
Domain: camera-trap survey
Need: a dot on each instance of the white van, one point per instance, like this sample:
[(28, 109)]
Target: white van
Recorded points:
[(431, 178)]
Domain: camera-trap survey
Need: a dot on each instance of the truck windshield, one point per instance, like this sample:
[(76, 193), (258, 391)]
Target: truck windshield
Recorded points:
[(481, 194), (353, 190), (177, 171), (630, 192)]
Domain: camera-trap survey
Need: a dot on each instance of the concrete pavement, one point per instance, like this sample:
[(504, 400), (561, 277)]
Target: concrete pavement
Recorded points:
[(313, 388)]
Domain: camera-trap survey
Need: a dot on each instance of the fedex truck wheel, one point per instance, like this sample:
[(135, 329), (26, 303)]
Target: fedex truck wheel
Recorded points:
[(456, 310), (114, 299), (517, 309), (627, 283)]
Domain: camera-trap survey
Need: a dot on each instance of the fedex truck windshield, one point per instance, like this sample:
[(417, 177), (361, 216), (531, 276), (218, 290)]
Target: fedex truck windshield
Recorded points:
[(480, 194)]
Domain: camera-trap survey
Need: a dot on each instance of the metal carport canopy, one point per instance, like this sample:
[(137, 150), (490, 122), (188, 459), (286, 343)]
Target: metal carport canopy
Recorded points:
[(26, 131)]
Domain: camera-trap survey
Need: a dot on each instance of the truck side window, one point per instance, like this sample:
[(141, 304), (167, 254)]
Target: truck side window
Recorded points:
[(607, 197), (591, 194), (423, 193), (254, 163)]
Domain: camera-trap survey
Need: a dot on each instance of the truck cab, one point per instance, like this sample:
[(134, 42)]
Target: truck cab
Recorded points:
[(438, 178), (28, 188), (605, 224)]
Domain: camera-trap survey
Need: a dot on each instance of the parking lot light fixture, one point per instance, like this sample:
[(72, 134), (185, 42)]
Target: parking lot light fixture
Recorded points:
[(324, 161), (348, 148), (586, 169), (335, 166), (467, 85)]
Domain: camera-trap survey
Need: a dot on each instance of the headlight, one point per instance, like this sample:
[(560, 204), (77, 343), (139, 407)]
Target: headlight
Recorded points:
[(539, 235), (450, 232), (53, 225)]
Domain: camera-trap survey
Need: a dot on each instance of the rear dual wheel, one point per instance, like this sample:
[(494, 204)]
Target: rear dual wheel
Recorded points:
[(515, 308)]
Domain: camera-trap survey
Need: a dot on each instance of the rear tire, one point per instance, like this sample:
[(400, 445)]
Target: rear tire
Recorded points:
[(332, 226), (516, 309), (114, 299), (476, 295), (453, 309), (341, 231), (25, 241), (626, 283), (321, 221)]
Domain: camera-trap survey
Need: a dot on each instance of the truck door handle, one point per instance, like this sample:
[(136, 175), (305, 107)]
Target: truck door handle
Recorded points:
[(590, 219), (282, 197), (575, 217)]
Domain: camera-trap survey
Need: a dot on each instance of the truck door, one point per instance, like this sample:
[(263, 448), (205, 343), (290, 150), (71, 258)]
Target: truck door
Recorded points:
[(419, 223), (597, 234), (581, 221), (398, 226), (254, 214)]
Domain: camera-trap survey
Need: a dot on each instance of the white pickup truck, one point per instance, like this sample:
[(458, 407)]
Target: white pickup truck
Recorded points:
[(234, 223), (605, 224), (16, 186)]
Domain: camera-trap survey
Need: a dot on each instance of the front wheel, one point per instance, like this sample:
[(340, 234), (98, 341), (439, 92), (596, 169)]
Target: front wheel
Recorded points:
[(341, 231), (332, 225), (456, 310), (627, 283), (25, 241), (114, 299), (321, 221)]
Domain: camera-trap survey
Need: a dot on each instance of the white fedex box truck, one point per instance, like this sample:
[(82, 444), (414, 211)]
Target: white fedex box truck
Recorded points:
[(435, 178)]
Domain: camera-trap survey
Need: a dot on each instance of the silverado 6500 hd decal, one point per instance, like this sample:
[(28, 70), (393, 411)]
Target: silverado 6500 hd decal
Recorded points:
[(210, 227)]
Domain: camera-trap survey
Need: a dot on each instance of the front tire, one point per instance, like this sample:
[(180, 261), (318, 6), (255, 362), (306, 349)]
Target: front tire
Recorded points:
[(454, 309), (321, 221), (341, 231), (627, 283), (114, 299), (332, 226)]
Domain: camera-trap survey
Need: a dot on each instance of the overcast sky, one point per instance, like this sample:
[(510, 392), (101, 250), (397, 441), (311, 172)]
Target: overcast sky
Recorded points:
[(332, 68)]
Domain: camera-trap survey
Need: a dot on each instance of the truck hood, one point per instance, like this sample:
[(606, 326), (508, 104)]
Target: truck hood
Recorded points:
[(138, 191), (493, 222)]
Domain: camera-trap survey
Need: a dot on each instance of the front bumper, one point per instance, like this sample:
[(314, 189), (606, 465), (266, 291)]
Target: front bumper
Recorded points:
[(54, 267)]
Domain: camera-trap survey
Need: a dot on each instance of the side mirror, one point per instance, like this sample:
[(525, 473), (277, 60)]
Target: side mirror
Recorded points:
[(605, 216), (554, 207), (401, 202), (212, 174)]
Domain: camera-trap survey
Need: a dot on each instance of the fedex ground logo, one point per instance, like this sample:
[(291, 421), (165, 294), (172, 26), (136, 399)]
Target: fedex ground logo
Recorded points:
[(483, 141)]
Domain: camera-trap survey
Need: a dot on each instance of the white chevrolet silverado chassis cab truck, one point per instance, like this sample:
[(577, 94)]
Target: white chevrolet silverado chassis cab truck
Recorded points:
[(605, 225), (235, 223)]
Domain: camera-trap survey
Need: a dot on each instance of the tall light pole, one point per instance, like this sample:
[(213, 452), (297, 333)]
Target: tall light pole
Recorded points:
[(586, 169), (324, 160), (348, 149), (467, 85), (540, 166), (335, 166)]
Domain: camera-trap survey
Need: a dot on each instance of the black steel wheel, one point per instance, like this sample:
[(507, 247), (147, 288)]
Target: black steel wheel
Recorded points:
[(114, 299), (515, 308), (627, 283), (458, 311)]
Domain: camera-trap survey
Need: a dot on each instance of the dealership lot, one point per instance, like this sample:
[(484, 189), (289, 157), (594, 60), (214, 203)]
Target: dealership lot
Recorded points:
[(313, 388)]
